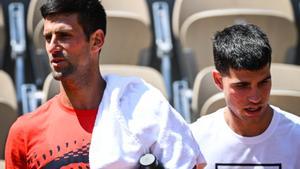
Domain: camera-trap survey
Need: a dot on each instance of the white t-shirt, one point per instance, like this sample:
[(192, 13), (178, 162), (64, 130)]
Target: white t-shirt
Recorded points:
[(277, 148), (133, 119)]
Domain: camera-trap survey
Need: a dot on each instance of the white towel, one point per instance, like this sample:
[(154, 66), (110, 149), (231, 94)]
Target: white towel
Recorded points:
[(133, 119)]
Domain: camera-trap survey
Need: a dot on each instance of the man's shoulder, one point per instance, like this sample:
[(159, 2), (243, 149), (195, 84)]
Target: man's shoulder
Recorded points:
[(209, 118), (207, 122), (288, 122), (287, 116), (30, 119)]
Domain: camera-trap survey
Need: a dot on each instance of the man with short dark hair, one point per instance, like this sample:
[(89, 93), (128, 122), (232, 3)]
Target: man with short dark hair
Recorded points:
[(248, 132), (95, 121)]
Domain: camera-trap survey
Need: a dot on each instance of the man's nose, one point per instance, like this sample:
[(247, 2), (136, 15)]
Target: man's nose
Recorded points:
[(53, 46), (255, 96)]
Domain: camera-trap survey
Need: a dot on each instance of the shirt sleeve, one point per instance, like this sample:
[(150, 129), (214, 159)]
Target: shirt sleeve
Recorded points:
[(15, 149), (176, 146)]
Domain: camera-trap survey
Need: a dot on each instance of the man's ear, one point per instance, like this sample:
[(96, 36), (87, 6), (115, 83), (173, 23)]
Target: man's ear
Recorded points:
[(97, 40), (217, 79)]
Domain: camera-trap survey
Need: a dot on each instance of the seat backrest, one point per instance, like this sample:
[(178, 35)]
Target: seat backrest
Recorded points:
[(128, 31), (284, 77), (2, 164), (50, 88), (186, 8), (2, 36), (197, 31), (287, 100), (203, 88), (138, 7), (150, 75), (33, 15), (127, 35), (213, 103), (8, 108)]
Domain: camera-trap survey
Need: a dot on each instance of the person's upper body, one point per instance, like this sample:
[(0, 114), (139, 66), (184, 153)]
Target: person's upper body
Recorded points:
[(248, 132), (59, 133), (276, 147), (134, 119)]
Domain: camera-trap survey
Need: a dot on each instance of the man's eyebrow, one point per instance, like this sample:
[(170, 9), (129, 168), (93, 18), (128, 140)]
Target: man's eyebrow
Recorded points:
[(62, 31), (267, 78), (241, 83)]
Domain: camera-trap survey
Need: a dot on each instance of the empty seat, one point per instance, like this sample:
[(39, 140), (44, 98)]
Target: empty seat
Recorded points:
[(149, 74), (127, 35), (2, 36), (2, 164), (203, 88), (195, 22), (284, 77), (213, 103), (186, 8), (287, 100), (197, 31), (8, 108), (152, 76), (50, 88), (33, 15), (128, 31)]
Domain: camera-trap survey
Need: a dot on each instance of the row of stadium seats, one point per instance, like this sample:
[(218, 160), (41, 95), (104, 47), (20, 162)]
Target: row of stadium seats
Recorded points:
[(195, 22)]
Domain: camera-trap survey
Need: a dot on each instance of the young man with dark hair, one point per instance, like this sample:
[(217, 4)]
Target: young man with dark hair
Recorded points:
[(95, 121), (248, 132)]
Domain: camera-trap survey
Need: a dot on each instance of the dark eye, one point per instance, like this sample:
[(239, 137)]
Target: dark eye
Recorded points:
[(63, 36), (265, 82), (241, 85), (48, 38)]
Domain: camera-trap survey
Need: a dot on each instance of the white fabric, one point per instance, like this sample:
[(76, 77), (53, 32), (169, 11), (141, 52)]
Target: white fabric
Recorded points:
[(133, 119), (278, 145)]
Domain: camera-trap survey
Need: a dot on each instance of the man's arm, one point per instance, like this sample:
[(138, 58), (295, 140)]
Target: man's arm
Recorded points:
[(15, 157)]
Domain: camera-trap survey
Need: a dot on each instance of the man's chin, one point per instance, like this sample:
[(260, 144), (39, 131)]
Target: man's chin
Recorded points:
[(57, 75)]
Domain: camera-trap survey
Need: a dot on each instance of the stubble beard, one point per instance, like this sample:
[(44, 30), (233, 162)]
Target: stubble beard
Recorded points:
[(64, 73)]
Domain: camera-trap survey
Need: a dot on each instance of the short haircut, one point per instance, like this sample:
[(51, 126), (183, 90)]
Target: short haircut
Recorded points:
[(241, 47), (91, 14)]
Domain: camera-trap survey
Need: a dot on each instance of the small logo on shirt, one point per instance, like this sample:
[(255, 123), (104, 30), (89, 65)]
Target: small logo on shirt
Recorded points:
[(247, 166)]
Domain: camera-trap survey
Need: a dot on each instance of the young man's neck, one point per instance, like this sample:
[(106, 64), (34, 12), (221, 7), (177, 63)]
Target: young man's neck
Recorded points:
[(248, 128)]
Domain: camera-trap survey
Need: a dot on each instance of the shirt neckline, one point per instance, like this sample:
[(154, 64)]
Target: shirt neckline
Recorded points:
[(254, 139)]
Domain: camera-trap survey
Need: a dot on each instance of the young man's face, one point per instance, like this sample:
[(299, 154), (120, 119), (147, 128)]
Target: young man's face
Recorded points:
[(67, 46), (247, 94)]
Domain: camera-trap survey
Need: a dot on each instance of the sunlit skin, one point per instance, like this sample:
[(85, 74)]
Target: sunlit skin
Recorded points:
[(200, 166), (74, 60), (247, 97)]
